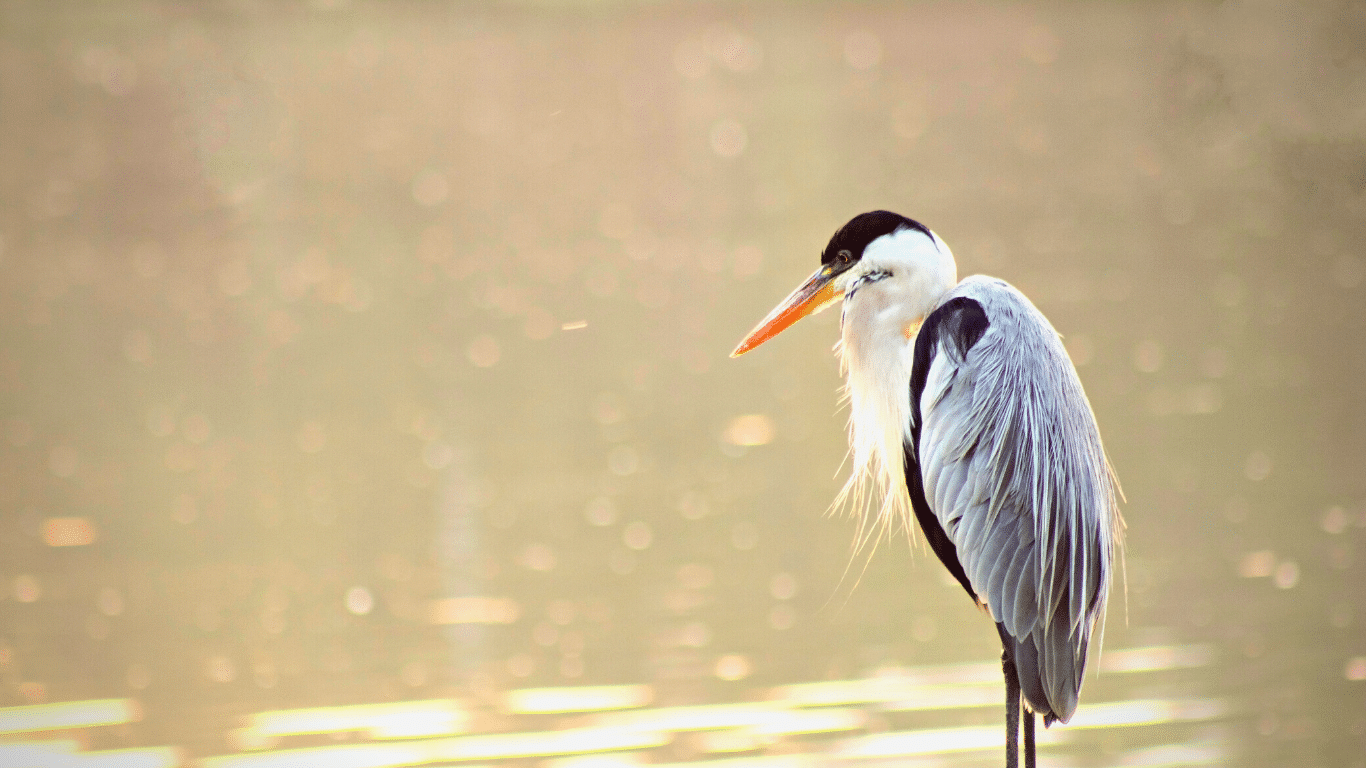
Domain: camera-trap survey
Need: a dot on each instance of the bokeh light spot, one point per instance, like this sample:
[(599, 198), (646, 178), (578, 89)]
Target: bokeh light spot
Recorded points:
[(783, 586), (695, 634), (220, 669), (637, 535), (359, 601), (749, 430), (1287, 575), (26, 588), (729, 138), (732, 48), (1334, 520), (68, 532), (733, 666), (1256, 565)]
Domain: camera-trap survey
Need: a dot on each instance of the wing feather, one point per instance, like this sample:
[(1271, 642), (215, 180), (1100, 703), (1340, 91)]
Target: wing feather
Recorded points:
[(1014, 472)]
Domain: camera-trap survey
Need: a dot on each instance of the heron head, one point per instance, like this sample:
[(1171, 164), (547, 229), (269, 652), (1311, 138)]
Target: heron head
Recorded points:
[(871, 247)]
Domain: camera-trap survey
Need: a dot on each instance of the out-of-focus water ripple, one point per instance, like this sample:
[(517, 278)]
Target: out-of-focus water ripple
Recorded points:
[(365, 400)]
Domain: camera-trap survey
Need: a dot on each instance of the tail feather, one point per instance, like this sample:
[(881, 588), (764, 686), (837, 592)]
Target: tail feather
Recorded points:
[(1025, 652)]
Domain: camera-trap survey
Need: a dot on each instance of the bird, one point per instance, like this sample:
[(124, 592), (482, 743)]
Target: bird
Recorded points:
[(966, 413)]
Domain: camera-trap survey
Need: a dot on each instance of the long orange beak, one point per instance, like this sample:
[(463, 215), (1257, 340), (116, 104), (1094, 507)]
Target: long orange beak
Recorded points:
[(815, 294)]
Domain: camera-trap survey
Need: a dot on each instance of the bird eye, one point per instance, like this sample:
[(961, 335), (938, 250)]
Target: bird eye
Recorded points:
[(845, 257)]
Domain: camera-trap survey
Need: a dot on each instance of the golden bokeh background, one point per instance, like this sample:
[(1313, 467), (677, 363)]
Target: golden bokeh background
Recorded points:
[(362, 352)]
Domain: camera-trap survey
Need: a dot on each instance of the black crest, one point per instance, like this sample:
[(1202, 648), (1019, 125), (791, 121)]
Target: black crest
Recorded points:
[(864, 229)]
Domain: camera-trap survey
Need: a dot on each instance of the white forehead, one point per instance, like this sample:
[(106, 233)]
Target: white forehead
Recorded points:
[(906, 244)]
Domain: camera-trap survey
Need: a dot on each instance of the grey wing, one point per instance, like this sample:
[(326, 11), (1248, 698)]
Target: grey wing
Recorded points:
[(1014, 471)]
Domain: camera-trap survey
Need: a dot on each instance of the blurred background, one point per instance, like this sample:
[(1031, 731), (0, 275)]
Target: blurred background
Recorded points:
[(374, 355)]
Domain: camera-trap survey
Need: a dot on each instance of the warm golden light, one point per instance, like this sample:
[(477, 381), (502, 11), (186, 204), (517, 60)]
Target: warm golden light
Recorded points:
[(585, 699), (68, 714), (404, 719), (484, 747), (474, 610), (749, 430), (364, 383), (68, 532)]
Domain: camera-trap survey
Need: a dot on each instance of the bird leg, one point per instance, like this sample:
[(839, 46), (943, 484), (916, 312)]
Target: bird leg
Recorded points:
[(1013, 711), (1028, 739)]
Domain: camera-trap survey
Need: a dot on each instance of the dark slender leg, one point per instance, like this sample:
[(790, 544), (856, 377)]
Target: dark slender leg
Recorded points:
[(1012, 711), (1029, 739)]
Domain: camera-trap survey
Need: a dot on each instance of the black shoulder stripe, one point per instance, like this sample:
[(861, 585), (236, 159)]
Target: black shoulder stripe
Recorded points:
[(963, 322), (939, 541)]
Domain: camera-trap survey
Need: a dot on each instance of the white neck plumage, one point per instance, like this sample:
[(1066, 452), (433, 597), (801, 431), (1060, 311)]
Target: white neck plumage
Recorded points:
[(900, 279)]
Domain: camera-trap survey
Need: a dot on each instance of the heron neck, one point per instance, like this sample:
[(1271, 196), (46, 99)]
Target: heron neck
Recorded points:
[(877, 341), (878, 326)]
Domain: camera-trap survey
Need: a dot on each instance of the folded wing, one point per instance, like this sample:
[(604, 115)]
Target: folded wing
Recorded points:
[(1005, 458)]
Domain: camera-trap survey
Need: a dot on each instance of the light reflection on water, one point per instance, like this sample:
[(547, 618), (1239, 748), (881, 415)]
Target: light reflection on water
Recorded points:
[(369, 361), (67, 715), (809, 722)]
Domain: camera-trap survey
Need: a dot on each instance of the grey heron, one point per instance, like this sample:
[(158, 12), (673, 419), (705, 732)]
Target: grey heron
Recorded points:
[(966, 412)]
